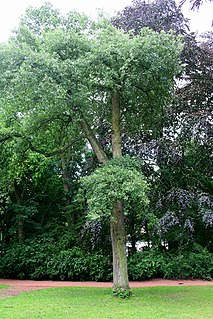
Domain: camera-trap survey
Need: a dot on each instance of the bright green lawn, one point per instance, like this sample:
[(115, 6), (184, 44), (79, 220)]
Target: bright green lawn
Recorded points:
[(98, 303), (3, 286)]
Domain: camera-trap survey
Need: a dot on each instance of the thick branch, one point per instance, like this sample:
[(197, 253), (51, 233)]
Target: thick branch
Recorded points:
[(55, 152), (88, 132), (96, 146), (144, 91), (7, 137), (61, 150)]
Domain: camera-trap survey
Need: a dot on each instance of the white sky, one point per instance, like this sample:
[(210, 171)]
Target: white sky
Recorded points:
[(11, 10)]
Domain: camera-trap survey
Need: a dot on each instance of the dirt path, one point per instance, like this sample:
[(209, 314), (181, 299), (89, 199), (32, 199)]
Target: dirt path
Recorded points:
[(18, 286)]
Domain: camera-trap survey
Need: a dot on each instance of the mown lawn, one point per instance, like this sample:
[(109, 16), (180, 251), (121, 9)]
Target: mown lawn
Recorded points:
[(98, 303), (3, 286)]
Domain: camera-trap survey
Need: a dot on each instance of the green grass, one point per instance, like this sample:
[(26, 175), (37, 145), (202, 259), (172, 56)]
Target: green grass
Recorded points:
[(3, 286), (98, 303)]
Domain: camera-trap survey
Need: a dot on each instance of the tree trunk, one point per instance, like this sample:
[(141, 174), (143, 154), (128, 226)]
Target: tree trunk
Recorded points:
[(65, 174), (118, 237), (117, 226), (116, 130), (20, 225), (66, 184), (147, 233), (21, 233)]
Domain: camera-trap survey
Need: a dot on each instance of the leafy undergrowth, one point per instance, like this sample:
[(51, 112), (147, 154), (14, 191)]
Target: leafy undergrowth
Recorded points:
[(93, 303)]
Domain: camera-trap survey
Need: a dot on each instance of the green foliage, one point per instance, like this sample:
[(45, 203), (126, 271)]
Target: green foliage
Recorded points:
[(186, 265), (74, 264), (145, 265), (122, 293), (68, 265), (100, 267), (43, 259), (197, 264), (48, 61), (43, 18), (118, 180), (27, 260)]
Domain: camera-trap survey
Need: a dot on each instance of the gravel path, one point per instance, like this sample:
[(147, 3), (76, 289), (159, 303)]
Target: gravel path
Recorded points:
[(18, 286)]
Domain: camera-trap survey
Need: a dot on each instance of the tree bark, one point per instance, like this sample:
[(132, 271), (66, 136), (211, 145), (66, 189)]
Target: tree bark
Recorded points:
[(118, 237), (117, 226), (21, 233), (20, 225), (65, 174), (66, 184), (96, 146), (116, 130)]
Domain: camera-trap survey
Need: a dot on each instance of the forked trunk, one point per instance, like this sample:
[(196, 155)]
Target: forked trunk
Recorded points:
[(117, 227)]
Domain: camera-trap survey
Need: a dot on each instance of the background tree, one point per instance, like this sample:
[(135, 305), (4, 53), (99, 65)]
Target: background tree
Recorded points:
[(158, 15), (185, 130), (195, 4)]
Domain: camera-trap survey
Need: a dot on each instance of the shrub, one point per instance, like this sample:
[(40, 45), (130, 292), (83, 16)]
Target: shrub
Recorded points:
[(27, 260), (195, 265), (68, 265), (145, 265), (43, 259), (100, 267), (74, 264)]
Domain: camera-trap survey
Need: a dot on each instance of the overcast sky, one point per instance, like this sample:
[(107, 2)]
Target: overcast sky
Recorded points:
[(11, 10)]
